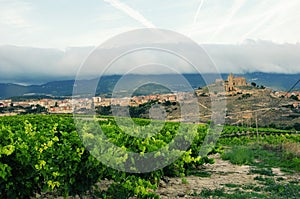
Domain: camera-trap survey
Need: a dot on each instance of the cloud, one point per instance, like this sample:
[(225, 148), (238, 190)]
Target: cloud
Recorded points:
[(131, 12), (256, 56), (25, 64)]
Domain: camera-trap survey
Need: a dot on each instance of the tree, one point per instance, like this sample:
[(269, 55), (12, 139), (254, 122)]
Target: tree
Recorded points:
[(297, 126), (103, 110), (294, 97), (253, 84), (167, 103), (273, 125)]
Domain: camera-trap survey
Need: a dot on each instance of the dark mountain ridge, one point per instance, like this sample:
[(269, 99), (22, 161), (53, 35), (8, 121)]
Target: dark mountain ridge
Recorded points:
[(106, 84)]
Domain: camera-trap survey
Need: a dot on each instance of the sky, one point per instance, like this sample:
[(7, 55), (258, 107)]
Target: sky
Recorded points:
[(52, 38)]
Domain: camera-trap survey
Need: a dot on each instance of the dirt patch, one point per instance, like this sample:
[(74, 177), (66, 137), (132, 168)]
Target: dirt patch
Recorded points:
[(222, 173)]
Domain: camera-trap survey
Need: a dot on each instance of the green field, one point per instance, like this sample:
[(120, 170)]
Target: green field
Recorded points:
[(44, 156)]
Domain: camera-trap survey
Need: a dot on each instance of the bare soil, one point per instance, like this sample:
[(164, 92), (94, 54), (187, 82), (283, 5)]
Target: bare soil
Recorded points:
[(222, 173)]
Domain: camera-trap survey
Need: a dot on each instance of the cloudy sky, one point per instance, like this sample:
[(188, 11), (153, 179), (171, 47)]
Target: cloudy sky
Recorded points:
[(49, 38)]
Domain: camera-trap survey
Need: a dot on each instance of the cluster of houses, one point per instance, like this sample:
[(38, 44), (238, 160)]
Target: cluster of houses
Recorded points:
[(5, 103), (233, 85), (295, 95), (52, 105), (281, 94), (135, 100), (68, 105)]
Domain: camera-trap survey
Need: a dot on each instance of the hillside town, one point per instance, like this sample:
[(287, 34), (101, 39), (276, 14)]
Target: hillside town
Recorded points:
[(234, 87), (69, 105)]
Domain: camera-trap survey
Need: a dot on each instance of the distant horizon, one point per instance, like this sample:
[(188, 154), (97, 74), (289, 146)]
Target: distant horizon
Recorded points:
[(73, 78)]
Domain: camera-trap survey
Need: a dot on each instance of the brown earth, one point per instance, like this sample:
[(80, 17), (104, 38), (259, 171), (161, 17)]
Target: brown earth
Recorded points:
[(222, 172)]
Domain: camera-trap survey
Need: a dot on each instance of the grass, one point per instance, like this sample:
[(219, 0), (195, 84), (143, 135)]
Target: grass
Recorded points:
[(184, 181), (239, 155), (267, 188), (231, 185), (221, 193), (279, 190), (263, 171), (262, 158), (284, 155), (265, 156), (291, 148), (199, 173)]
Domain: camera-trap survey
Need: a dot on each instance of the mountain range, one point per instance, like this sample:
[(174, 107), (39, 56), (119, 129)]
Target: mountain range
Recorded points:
[(106, 84)]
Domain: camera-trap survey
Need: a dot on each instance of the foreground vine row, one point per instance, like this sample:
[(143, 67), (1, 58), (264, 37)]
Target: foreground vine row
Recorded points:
[(44, 155)]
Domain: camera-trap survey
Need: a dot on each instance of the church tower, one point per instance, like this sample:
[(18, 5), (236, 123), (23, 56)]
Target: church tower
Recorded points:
[(230, 80)]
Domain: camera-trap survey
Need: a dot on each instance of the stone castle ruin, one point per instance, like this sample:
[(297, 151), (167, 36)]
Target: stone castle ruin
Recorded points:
[(232, 82)]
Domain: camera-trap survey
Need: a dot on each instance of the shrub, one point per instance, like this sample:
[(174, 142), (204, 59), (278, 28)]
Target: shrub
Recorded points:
[(239, 155)]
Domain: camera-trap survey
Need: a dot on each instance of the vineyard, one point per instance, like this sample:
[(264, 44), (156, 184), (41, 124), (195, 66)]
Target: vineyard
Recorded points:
[(48, 156)]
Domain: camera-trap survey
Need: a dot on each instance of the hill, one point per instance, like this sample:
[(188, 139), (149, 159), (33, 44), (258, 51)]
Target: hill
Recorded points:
[(107, 83)]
